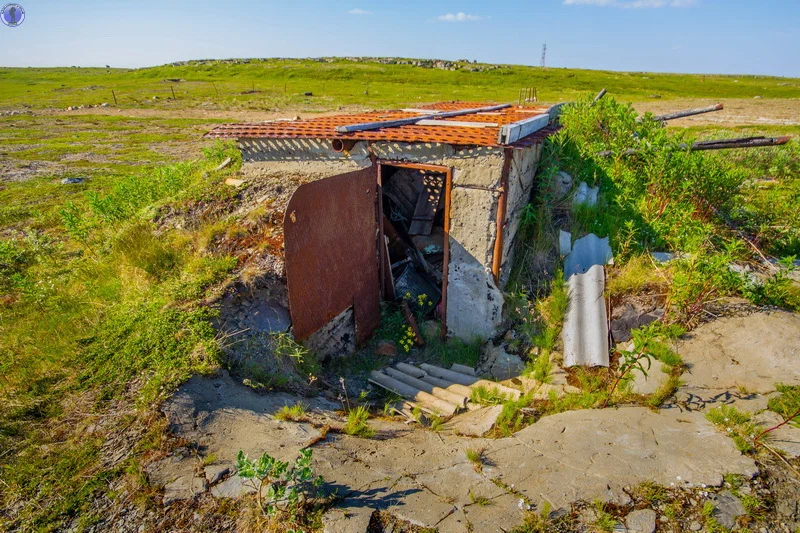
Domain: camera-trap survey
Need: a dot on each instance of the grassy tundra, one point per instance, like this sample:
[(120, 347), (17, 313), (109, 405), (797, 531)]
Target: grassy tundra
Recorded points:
[(104, 302), (279, 84)]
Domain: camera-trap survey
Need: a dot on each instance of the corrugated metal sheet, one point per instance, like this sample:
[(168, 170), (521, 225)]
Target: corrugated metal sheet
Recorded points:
[(325, 127), (586, 324)]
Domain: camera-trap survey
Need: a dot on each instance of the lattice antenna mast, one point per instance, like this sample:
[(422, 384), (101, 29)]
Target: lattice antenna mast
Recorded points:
[(544, 54)]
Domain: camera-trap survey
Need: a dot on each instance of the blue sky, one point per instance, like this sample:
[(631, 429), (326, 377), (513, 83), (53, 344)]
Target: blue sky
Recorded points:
[(711, 36)]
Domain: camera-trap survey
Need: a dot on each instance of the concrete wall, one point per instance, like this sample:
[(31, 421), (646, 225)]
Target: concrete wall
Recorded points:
[(474, 302), (520, 183)]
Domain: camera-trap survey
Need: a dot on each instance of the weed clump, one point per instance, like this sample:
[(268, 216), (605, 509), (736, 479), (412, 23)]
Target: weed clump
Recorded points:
[(737, 424), (357, 423), (295, 413)]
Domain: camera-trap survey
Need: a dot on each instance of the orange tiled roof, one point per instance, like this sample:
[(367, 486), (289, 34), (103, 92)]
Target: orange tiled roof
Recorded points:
[(325, 127)]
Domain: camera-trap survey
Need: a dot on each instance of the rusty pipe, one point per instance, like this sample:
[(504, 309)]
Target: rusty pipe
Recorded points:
[(497, 256), (342, 145)]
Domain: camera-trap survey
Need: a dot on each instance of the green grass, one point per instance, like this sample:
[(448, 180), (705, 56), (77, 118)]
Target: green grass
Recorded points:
[(736, 424), (357, 423), (294, 413), (100, 309), (483, 395), (279, 84), (475, 456), (787, 403)]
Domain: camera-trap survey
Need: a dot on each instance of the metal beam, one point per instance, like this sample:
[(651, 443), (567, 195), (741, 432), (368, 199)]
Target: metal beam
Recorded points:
[(517, 130)]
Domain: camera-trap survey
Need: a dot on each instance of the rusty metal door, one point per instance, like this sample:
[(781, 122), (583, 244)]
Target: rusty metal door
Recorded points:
[(330, 236)]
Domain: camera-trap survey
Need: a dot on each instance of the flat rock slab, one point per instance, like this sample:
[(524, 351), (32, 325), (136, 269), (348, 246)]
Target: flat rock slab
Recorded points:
[(753, 352), (223, 417), (786, 438), (651, 381), (353, 520), (475, 423), (593, 454), (641, 521), (425, 478), (702, 399)]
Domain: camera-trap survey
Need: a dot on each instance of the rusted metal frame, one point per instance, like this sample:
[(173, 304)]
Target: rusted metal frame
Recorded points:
[(448, 186), (415, 166), (381, 237), (502, 202)]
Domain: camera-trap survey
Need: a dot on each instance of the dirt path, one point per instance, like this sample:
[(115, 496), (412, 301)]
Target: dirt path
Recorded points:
[(737, 112)]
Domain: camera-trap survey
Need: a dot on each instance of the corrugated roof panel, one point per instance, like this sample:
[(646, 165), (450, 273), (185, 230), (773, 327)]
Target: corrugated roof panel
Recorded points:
[(325, 127)]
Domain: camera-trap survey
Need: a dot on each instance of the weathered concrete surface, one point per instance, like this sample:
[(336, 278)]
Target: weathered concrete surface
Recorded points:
[(352, 520), (472, 292), (500, 364), (752, 353), (473, 221), (479, 166), (593, 454), (312, 151), (222, 417), (425, 478), (702, 399), (335, 339), (520, 183)]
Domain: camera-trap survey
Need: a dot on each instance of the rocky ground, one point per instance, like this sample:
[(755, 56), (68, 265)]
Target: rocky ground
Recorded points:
[(580, 465)]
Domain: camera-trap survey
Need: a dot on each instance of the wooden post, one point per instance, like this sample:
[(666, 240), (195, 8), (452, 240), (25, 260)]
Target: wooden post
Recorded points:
[(215, 88), (115, 96), (171, 88)]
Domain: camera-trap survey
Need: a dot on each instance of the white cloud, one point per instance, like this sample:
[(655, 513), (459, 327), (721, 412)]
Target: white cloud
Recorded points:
[(631, 4), (358, 11), (458, 17)]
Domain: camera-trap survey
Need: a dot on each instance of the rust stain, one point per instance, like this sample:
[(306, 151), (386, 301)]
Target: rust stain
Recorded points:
[(331, 254), (325, 127)]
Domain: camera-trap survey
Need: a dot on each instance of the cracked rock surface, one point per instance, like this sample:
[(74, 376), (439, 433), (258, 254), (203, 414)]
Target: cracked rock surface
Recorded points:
[(424, 477)]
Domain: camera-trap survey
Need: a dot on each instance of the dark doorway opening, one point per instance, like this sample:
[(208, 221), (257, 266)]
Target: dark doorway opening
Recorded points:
[(414, 221)]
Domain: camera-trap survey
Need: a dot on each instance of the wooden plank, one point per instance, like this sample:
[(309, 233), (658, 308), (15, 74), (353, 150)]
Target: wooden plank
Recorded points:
[(457, 123), (511, 133), (427, 205)]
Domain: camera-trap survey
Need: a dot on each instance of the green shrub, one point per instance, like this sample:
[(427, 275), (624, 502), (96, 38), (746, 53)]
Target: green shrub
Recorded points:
[(281, 489)]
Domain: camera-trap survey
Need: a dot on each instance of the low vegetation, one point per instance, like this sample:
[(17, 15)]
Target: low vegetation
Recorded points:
[(286, 494), (308, 84), (357, 423)]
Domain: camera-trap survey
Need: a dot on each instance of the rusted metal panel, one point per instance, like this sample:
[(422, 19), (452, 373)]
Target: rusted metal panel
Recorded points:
[(330, 230), (325, 127)]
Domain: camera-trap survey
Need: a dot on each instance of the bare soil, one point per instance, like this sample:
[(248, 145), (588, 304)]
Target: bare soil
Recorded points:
[(737, 112)]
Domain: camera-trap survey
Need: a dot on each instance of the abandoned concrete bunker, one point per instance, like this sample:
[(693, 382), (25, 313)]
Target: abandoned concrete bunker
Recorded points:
[(416, 204)]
